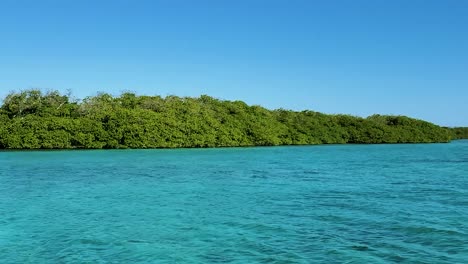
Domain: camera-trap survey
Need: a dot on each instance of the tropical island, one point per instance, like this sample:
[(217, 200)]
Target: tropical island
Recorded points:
[(33, 119)]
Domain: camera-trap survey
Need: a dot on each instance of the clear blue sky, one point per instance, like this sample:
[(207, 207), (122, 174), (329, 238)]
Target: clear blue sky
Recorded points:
[(355, 57)]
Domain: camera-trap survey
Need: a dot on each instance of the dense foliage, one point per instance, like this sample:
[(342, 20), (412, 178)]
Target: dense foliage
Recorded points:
[(459, 132), (33, 119)]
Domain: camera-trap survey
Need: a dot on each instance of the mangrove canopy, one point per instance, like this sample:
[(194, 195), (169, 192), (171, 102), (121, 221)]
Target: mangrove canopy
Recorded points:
[(33, 119)]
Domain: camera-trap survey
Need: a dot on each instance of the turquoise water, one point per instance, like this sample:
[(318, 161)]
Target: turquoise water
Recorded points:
[(330, 204)]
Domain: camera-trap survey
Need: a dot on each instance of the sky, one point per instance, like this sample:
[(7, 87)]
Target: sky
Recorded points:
[(354, 57)]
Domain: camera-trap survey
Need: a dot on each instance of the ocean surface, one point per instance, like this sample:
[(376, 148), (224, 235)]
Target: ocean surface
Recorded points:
[(305, 204)]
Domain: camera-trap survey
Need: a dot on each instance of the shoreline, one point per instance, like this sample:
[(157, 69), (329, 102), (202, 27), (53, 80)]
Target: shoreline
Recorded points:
[(227, 147)]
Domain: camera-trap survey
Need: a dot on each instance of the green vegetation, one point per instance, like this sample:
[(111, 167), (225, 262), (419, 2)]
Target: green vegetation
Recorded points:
[(36, 120), (459, 132)]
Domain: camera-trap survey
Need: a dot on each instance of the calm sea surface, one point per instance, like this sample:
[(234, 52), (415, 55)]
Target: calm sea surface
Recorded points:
[(330, 204)]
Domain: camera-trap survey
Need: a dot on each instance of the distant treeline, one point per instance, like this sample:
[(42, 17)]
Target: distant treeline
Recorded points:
[(49, 120), (459, 132)]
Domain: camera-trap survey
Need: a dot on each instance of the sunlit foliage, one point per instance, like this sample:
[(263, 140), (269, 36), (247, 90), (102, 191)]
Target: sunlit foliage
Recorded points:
[(33, 119)]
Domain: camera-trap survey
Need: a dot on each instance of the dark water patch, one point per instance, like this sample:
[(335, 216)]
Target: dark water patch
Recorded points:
[(310, 172), (360, 248)]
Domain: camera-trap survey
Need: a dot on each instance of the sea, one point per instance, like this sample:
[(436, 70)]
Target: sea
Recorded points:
[(403, 203)]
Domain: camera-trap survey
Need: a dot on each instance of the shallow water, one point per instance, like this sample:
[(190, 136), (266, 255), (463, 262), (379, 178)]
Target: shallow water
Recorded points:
[(337, 203)]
